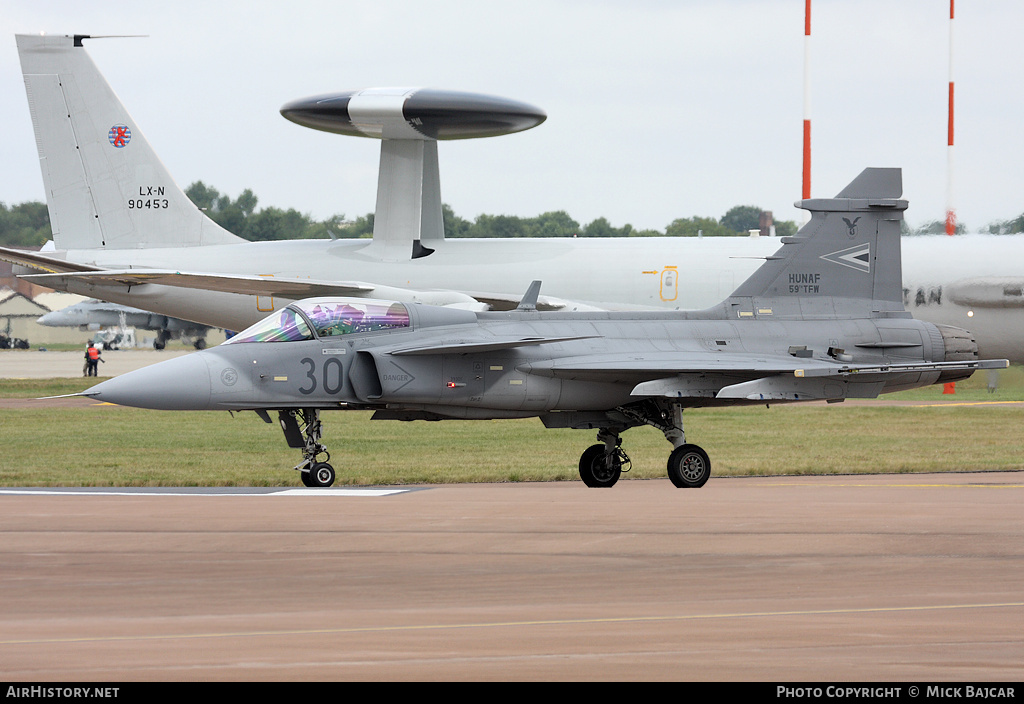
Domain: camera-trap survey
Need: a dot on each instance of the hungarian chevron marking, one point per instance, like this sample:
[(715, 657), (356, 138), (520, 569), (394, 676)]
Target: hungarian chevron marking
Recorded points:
[(857, 257)]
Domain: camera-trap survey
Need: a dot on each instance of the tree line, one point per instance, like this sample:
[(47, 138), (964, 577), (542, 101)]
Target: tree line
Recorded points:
[(28, 224), (241, 217)]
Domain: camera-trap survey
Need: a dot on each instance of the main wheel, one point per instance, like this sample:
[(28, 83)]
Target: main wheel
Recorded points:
[(689, 467), (321, 474), (595, 470)]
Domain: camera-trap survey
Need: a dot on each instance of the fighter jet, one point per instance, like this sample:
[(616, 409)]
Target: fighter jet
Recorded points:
[(94, 314), (823, 318)]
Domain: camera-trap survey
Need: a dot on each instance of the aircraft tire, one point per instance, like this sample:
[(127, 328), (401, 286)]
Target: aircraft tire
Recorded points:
[(689, 467), (306, 479), (593, 470), (321, 474)]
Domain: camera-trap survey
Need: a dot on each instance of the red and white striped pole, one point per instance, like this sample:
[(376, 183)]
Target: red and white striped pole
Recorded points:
[(807, 100), (950, 212), (950, 387)]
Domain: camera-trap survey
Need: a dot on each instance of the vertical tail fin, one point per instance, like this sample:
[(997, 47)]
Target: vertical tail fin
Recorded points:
[(844, 262), (105, 187)]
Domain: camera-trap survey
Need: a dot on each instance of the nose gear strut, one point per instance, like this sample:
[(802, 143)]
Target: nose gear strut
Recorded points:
[(302, 429)]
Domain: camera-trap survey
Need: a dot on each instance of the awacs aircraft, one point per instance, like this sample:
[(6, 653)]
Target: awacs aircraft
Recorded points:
[(124, 232), (95, 314), (823, 318)]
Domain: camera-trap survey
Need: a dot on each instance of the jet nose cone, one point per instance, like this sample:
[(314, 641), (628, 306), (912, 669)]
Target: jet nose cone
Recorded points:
[(50, 319), (181, 384)]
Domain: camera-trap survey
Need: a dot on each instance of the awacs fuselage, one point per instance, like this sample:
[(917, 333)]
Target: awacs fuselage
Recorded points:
[(970, 281), (578, 274)]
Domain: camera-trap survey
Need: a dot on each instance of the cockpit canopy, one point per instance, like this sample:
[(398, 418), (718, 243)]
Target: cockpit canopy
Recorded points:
[(315, 318)]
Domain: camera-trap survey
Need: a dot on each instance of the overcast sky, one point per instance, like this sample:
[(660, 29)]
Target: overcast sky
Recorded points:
[(656, 109)]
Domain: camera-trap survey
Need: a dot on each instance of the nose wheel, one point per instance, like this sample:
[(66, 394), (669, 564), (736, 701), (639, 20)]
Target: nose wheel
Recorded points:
[(320, 474)]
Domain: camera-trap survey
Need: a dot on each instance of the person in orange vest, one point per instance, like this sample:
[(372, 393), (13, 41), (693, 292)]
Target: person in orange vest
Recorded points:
[(92, 359)]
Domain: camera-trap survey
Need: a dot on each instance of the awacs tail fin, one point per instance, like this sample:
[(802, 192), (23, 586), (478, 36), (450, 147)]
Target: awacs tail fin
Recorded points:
[(844, 262), (105, 187)]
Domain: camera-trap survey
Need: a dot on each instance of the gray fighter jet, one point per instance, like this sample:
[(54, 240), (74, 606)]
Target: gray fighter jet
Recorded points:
[(93, 314), (823, 318)]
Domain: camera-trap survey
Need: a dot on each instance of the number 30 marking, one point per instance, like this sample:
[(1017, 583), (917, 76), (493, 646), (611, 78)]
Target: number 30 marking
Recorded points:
[(338, 374)]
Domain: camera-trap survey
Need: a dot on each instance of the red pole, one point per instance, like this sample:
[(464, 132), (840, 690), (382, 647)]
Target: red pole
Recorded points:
[(950, 212), (806, 190)]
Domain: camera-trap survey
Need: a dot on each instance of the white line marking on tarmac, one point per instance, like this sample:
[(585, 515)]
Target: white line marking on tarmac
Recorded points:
[(341, 492), (513, 624), (203, 492)]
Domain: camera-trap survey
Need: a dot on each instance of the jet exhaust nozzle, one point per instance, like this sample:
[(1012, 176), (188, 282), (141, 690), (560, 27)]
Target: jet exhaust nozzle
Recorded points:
[(959, 345)]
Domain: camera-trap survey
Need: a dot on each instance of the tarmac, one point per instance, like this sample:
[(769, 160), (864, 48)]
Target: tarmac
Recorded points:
[(896, 579), (34, 364)]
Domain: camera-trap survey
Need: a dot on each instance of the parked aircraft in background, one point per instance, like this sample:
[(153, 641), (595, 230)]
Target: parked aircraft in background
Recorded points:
[(971, 281), (823, 318), (94, 314), (124, 232)]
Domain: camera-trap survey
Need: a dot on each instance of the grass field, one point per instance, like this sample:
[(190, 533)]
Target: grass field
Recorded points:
[(114, 446)]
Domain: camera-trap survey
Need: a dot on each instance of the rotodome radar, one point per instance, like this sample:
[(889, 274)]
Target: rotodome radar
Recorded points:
[(413, 113)]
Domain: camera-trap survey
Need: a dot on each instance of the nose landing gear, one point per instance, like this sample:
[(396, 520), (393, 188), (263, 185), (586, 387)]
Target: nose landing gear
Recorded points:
[(302, 430)]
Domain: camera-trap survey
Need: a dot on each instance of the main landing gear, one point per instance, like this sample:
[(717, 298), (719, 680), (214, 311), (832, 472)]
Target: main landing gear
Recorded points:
[(688, 465), (601, 465), (302, 430)]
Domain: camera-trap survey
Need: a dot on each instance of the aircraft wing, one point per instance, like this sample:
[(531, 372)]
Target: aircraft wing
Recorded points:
[(610, 366), (58, 272), (504, 301), (845, 381), (283, 286), (474, 346), (38, 260), (230, 283), (508, 301), (745, 376)]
